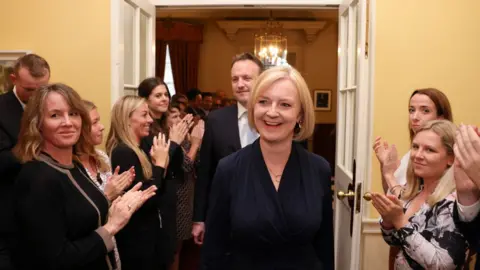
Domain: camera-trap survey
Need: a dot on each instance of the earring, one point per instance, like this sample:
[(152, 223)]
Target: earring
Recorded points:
[(297, 128)]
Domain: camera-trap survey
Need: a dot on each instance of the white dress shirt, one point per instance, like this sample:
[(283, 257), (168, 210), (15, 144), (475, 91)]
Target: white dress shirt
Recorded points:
[(247, 135), (15, 93), (468, 213)]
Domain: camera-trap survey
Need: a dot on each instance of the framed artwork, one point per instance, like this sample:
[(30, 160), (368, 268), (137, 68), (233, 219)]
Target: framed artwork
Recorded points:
[(7, 60), (322, 100)]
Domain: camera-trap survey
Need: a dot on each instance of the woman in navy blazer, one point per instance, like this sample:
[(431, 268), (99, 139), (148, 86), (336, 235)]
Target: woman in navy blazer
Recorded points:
[(270, 204)]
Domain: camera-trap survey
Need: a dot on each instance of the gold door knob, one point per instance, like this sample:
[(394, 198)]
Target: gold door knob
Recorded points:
[(367, 196), (341, 195)]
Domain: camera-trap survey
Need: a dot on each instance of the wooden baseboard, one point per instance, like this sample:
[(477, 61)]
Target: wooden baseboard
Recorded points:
[(371, 226)]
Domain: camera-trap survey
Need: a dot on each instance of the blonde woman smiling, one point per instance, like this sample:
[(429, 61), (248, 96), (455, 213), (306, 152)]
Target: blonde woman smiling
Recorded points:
[(139, 242), (419, 218), (270, 204)]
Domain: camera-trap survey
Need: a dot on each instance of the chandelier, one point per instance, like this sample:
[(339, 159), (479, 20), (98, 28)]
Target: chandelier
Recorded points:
[(271, 44)]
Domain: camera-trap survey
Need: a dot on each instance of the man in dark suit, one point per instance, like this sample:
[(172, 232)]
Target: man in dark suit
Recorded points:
[(226, 131), (29, 73), (195, 104)]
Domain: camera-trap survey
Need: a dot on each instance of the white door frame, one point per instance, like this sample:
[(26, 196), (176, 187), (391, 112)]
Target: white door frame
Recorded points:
[(362, 86), (117, 49), (366, 114)]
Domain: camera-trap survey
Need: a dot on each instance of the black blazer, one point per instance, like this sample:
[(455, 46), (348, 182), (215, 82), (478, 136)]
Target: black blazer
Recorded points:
[(262, 228), (11, 112), (60, 213), (221, 139), (167, 199), (139, 242)]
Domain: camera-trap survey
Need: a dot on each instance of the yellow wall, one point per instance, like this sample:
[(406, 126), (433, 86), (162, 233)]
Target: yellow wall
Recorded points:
[(422, 44), (73, 36), (317, 61)]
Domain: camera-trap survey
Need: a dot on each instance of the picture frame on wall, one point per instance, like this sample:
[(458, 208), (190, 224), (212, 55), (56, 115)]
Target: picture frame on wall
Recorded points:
[(7, 60), (322, 99)]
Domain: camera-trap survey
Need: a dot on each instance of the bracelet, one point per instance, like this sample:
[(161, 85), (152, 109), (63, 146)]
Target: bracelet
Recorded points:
[(392, 190)]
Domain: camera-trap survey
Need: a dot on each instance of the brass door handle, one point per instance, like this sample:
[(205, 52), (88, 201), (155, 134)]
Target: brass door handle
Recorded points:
[(367, 196), (341, 195)]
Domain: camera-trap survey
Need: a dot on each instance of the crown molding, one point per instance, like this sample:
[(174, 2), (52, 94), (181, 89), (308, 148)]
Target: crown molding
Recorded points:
[(310, 28)]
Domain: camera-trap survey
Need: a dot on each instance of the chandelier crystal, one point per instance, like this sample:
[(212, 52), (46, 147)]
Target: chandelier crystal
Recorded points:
[(271, 44)]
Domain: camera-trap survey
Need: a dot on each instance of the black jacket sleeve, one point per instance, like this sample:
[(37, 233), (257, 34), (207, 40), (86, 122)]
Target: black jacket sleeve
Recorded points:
[(8, 162), (323, 242), (469, 229), (202, 185), (39, 210), (218, 223), (125, 157)]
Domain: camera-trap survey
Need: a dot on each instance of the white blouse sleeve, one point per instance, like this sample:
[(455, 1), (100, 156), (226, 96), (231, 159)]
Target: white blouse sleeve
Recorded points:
[(401, 172)]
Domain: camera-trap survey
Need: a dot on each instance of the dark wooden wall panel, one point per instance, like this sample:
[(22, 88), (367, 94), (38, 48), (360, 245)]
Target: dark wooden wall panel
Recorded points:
[(324, 143)]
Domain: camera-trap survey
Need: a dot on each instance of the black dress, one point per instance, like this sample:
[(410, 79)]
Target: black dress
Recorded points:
[(139, 242), (260, 228), (166, 200), (60, 213)]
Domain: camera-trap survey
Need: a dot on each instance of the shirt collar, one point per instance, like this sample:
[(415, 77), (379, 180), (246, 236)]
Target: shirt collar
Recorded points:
[(15, 93), (241, 110)]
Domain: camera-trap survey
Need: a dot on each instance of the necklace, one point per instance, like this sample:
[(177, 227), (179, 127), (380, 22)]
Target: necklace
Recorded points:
[(276, 177)]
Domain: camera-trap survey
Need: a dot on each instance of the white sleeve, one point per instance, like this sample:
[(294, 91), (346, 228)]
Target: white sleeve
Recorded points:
[(468, 213), (401, 173)]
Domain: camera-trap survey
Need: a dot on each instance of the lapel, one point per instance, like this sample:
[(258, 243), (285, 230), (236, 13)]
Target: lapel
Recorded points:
[(302, 154), (232, 121), (310, 176)]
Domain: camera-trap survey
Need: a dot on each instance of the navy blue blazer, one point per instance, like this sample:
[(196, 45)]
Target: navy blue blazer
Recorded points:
[(262, 228), (221, 139)]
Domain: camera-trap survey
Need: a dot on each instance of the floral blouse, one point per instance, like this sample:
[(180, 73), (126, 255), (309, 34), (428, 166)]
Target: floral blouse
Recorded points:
[(431, 240), (103, 175)]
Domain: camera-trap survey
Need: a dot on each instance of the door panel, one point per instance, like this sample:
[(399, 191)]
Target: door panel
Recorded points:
[(133, 45), (352, 123)]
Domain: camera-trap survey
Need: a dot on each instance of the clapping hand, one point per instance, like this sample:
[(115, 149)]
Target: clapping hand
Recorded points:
[(180, 130), (124, 206), (387, 155), (159, 150), (391, 210), (467, 191), (117, 183), (196, 135), (467, 151), (380, 147), (135, 198)]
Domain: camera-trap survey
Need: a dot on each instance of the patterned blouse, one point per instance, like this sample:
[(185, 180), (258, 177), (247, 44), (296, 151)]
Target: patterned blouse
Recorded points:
[(431, 240), (103, 175), (188, 165)]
